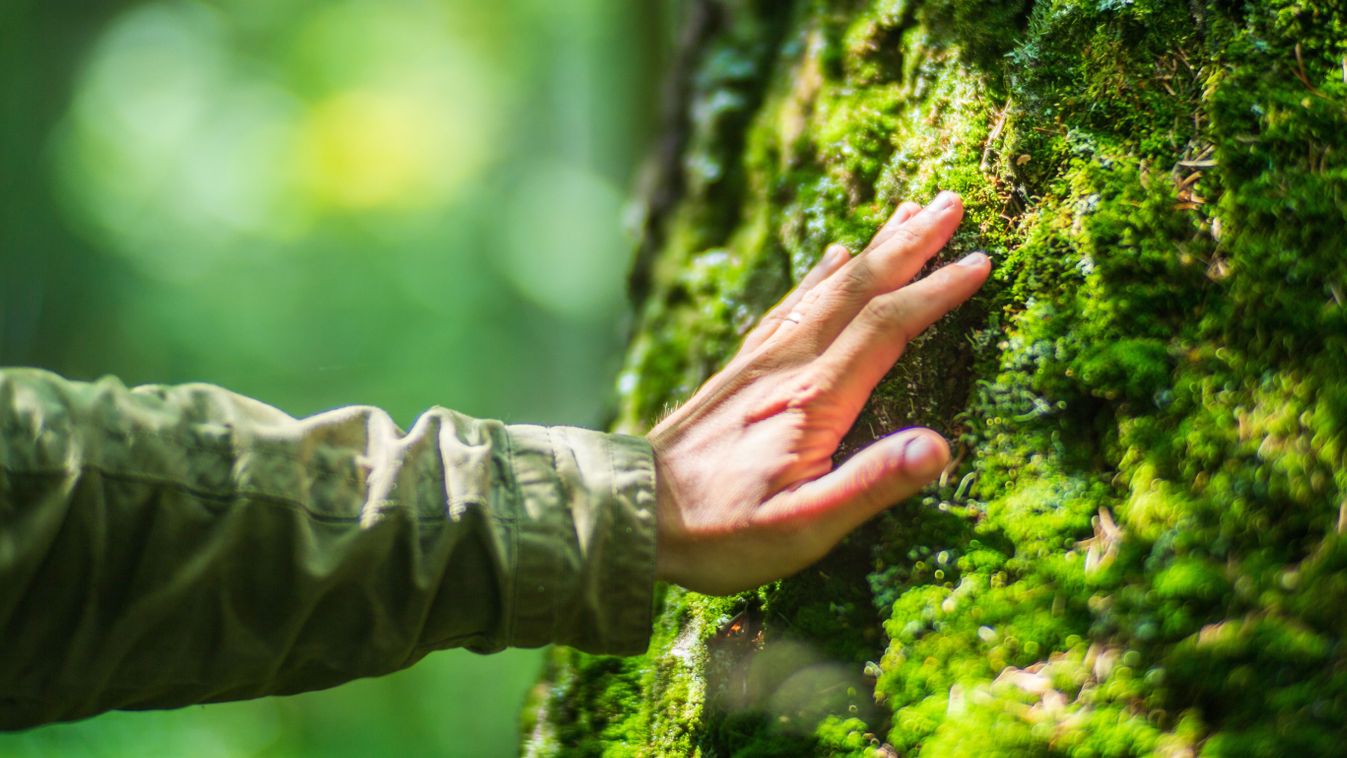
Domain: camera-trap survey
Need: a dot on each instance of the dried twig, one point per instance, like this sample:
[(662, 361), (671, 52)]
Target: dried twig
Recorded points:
[(1300, 72), (993, 136)]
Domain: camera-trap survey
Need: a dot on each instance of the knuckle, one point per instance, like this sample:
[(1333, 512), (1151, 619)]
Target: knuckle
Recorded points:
[(886, 310), (810, 300), (910, 235), (890, 314), (808, 394), (858, 279), (868, 489)]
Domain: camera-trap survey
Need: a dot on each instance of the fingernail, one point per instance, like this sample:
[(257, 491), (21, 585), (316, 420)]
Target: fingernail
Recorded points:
[(943, 202), (973, 260), (921, 456), (835, 254)]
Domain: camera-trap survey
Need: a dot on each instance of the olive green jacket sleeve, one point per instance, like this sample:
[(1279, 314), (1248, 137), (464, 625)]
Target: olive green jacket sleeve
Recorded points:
[(161, 546)]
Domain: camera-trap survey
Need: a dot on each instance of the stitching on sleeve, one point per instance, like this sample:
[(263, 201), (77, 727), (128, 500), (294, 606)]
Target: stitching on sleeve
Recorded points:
[(614, 520), (567, 505), (512, 574)]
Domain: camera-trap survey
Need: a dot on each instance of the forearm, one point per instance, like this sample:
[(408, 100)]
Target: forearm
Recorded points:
[(165, 546)]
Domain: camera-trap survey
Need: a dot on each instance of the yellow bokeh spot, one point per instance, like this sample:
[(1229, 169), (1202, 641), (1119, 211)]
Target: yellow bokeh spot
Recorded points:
[(363, 150)]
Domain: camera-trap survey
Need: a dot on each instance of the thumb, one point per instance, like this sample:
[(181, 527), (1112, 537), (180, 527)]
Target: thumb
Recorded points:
[(874, 479)]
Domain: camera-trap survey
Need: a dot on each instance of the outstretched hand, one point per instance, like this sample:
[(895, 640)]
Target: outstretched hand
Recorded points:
[(746, 487)]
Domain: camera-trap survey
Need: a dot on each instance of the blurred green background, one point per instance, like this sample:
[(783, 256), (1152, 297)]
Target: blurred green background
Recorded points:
[(402, 203)]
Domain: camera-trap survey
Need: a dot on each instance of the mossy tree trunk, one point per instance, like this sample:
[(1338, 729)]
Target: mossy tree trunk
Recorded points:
[(1139, 548)]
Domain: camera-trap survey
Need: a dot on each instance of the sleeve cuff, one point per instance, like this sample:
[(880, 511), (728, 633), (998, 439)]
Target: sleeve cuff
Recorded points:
[(584, 540)]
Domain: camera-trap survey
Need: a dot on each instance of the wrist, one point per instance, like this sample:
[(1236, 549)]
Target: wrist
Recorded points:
[(670, 531)]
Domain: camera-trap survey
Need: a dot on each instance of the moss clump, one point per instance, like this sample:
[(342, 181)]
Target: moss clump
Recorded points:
[(1141, 548)]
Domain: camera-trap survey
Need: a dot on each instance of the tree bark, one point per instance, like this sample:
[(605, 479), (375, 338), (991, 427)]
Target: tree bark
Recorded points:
[(1138, 548)]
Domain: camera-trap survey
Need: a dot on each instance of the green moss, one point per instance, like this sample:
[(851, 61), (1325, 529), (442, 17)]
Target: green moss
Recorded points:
[(1140, 550)]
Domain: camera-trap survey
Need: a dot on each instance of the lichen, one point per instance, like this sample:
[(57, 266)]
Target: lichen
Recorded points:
[(1139, 550)]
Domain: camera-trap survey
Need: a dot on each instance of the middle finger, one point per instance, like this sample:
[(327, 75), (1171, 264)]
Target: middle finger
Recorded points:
[(827, 309)]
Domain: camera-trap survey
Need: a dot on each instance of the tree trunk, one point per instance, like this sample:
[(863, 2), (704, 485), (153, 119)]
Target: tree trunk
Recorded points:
[(1139, 545)]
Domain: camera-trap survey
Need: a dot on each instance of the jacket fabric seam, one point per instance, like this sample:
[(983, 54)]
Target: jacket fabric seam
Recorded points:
[(566, 506), (229, 450), (516, 489), (221, 496)]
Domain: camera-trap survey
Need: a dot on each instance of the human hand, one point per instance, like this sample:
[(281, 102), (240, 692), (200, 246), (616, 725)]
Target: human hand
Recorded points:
[(746, 487)]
